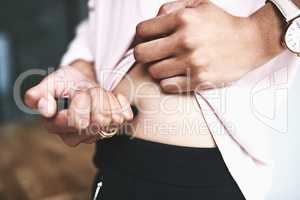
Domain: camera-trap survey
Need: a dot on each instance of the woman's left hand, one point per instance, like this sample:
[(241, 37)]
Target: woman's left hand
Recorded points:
[(195, 45)]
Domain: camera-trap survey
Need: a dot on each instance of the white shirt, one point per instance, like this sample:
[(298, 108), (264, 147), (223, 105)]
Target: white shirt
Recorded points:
[(237, 116)]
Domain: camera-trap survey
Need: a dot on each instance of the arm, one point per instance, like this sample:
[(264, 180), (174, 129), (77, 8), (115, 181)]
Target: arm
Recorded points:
[(269, 26), (79, 54), (76, 79), (86, 68)]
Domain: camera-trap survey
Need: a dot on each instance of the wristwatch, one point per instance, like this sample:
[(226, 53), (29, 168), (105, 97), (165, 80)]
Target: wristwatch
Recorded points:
[(291, 13)]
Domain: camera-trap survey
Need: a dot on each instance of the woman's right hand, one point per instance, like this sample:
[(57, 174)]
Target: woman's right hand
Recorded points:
[(91, 107)]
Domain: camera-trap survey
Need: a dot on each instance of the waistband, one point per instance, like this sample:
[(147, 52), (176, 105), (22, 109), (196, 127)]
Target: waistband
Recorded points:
[(163, 163)]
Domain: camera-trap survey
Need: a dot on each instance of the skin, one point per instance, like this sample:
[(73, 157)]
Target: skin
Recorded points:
[(180, 48), (196, 45), (78, 83), (163, 118)]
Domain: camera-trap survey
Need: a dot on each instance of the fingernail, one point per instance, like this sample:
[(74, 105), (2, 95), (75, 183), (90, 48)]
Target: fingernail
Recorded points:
[(47, 106), (43, 106)]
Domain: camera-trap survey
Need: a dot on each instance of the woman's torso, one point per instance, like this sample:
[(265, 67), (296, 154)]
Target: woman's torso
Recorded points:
[(169, 119), (172, 119)]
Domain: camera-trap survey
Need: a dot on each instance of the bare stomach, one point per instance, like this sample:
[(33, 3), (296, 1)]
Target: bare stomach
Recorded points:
[(163, 118)]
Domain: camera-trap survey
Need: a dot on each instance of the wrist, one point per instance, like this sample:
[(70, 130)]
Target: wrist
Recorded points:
[(86, 68), (268, 26)]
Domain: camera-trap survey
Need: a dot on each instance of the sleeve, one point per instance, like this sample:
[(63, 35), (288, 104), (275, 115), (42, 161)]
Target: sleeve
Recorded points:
[(80, 46)]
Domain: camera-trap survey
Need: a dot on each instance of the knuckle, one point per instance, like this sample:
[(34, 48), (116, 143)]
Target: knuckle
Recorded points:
[(166, 86), (186, 41), (129, 116), (184, 16), (140, 29), (195, 60), (82, 124), (138, 53), (202, 81), (80, 101), (198, 77), (118, 119), (76, 98), (29, 95), (154, 71), (164, 9)]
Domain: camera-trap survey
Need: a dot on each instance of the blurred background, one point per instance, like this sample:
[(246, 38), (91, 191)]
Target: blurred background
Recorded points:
[(37, 166), (33, 164)]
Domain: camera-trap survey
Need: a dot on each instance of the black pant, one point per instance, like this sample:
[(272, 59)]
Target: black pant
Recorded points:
[(141, 170)]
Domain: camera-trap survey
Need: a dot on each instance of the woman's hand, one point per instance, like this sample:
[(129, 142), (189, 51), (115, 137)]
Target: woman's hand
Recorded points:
[(61, 83), (91, 107), (195, 45)]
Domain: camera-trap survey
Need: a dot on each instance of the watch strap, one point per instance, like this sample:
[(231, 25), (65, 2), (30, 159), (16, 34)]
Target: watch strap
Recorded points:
[(288, 9)]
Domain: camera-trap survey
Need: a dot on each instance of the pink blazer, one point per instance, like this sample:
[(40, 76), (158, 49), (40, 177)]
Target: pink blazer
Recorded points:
[(240, 117)]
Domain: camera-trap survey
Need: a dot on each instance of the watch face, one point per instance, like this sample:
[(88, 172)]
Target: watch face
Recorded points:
[(292, 36)]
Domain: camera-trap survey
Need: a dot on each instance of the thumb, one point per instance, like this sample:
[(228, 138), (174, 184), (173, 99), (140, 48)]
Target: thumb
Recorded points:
[(60, 83), (42, 97)]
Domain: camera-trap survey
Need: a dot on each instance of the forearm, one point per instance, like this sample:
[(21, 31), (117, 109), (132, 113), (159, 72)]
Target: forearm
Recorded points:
[(269, 27), (87, 68), (79, 53), (297, 2)]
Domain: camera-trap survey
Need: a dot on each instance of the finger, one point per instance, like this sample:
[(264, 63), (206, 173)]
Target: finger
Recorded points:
[(183, 84), (101, 112), (177, 5), (157, 27), (73, 139), (57, 84), (41, 97), (194, 3), (167, 68), (171, 7), (167, 20), (79, 111), (156, 49), (47, 106), (116, 110), (176, 85), (125, 106), (59, 124), (34, 94)]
